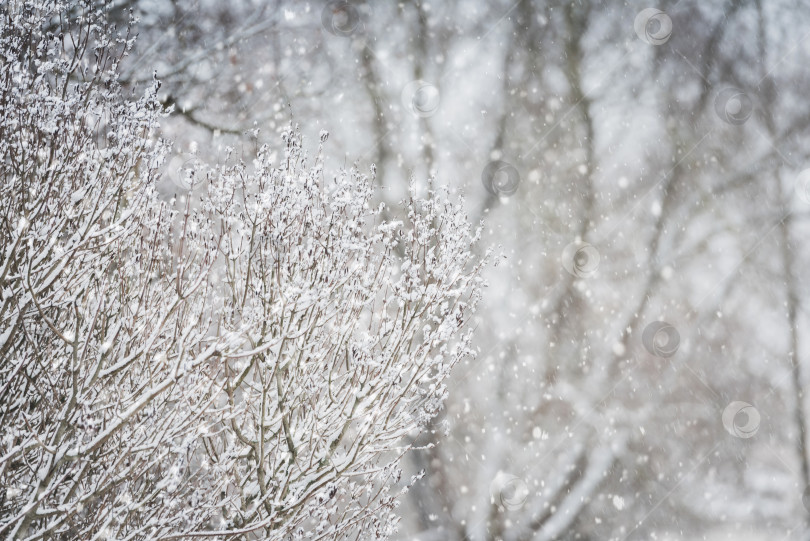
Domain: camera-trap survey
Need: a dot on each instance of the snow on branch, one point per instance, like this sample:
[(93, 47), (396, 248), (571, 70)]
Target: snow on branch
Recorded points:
[(248, 367)]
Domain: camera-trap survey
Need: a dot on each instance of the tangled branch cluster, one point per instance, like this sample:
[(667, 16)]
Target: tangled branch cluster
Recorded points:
[(253, 366)]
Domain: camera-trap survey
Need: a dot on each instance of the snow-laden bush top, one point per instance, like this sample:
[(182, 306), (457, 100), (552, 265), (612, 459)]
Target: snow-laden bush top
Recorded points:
[(253, 367)]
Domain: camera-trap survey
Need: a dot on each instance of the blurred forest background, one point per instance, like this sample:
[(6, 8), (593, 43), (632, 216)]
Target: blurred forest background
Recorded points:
[(644, 171)]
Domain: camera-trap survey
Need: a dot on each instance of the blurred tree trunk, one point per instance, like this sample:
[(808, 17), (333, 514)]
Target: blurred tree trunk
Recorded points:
[(792, 300)]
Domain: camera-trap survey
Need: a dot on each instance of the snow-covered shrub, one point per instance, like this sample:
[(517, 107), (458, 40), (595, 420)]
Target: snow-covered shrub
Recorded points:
[(252, 367)]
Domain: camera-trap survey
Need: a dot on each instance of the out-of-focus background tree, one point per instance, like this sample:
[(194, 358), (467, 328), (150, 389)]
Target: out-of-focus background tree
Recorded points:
[(644, 169)]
